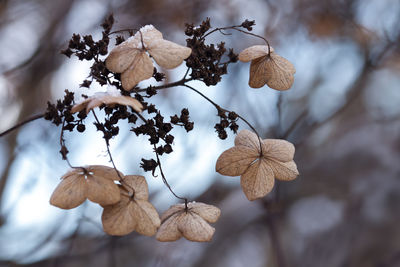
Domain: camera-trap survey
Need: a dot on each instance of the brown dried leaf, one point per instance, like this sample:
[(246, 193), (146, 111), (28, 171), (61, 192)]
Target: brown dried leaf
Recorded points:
[(278, 149), (140, 69), (167, 54), (147, 217), (195, 228), (254, 52), (235, 161), (258, 180), (284, 171), (168, 230), (70, 192), (209, 213)]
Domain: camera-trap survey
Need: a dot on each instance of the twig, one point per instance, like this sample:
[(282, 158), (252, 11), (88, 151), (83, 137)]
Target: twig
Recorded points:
[(39, 116)]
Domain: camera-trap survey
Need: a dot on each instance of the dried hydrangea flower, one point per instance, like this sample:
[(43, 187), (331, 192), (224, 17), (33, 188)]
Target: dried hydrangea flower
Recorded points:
[(134, 212), (191, 223), (258, 168), (267, 67), (109, 99), (130, 57), (95, 182)]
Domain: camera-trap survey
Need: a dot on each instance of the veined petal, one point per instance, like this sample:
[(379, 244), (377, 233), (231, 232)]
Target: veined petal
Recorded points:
[(123, 100), (104, 172), (285, 171), (280, 72), (248, 139), (254, 52), (168, 230), (168, 54), (174, 209), (138, 184), (140, 69), (236, 160), (209, 213), (117, 219), (258, 180), (259, 72), (70, 192), (146, 216), (278, 149), (102, 191), (194, 228), (121, 57)]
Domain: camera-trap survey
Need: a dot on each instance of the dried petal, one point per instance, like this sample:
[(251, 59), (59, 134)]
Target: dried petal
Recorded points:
[(168, 230), (236, 160), (146, 216), (102, 190), (209, 213), (281, 72), (168, 54), (117, 219), (284, 171), (172, 210), (248, 139), (125, 101), (195, 228), (254, 52), (140, 69), (278, 149), (258, 180), (259, 72), (122, 56), (70, 192), (136, 184)]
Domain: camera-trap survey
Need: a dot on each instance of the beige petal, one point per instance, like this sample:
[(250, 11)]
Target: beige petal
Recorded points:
[(248, 139), (194, 228), (174, 209), (278, 149), (235, 161), (92, 104), (259, 72), (79, 106), (285, 171), (147, 217), (167, 54), (168, 230), (258, 180), (140, 69), (102, 191), (254, 52), (138, 184), (280, 73), (122, 56), (149, 34), (209, 213), (104, 172), (70, 192), (118, 219), (123, 100)]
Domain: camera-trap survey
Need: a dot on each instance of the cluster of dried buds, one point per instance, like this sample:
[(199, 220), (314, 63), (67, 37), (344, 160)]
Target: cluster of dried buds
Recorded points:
[(124, 198)]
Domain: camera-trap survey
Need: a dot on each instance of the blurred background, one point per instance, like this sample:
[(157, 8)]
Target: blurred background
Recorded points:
[(342, 114)]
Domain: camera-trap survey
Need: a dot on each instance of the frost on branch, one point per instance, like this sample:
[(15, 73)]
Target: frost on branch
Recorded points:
[(133, 212), (258, 167), (95, 183), (267, 67), (191, 222), (130, 57)]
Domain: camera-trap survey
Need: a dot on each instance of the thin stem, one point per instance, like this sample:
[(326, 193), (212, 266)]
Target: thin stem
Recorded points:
[(165, 86), (218, 107), (64, 147), (22, 123)]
